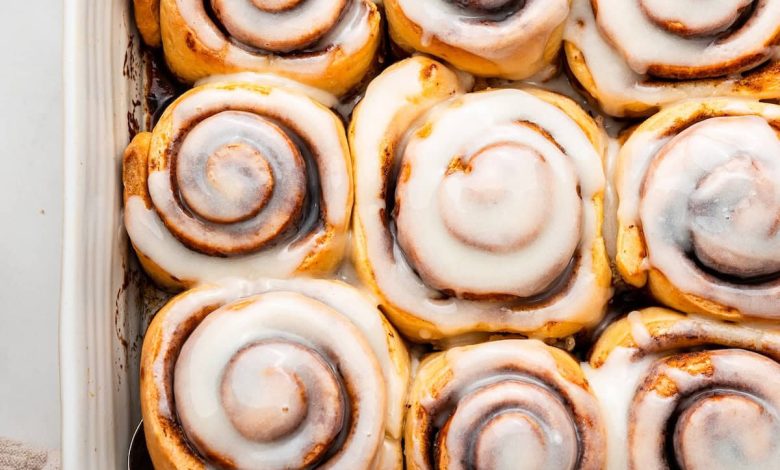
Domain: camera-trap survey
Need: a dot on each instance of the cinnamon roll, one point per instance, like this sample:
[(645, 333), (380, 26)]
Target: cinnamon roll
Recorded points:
[(512, 39), (330, 44), (698, 220), (238, 179), (275, 375), (674, 398), (477, 212), (496, 404), (633, 56)]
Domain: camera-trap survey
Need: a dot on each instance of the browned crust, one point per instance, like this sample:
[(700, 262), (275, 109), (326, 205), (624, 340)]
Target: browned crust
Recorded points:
[(147, 19), (762, 82), (190, 60), (670, 330)]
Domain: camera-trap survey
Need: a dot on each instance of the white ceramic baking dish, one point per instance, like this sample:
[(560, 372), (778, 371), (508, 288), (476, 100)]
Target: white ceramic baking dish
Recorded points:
[(100, 321)]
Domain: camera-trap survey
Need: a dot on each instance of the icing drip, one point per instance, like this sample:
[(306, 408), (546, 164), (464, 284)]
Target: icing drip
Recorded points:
[(639, 331), (501, 405), (615, 383)]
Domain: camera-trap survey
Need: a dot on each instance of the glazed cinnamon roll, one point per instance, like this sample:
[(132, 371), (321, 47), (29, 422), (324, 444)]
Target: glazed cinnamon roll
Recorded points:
[(671, 404), (699, 189), (633, 56), (238, 179), (477, 212), (496, 404), (275, 375), (492, 38), (330, 44)]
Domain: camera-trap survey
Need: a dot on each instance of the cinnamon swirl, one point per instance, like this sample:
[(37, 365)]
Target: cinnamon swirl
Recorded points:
[(478, 212), (275, 375), (239, 179), (493, 405), (674, 398), (699, 203)]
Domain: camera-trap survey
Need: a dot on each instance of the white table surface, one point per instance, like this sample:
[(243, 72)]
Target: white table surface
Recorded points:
[(31, 208)]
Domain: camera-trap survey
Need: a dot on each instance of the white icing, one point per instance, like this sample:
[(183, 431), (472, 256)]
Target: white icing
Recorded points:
[(271, 316), (517, 208), (327, 316), (630, 31), (639, 332), (708, 437), (611, 201), (711, 190), (319, 126), (716, 17), (730, 439), (528, 30), (615, 383), (618, 85), (228, 166), (347, 36), (390, 457), (390, 96)]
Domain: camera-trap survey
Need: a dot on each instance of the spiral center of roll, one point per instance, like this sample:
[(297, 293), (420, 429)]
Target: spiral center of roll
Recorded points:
[(726, 432), (276, 5), (511, 441), (272, 25), (239, 183), (733, 204), (499, 200), (224, 195), (510, 425), (267, 388), (694, 17)]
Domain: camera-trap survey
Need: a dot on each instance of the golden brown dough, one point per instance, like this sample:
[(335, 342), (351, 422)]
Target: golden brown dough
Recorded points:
[(328, 45), (634, 57)]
